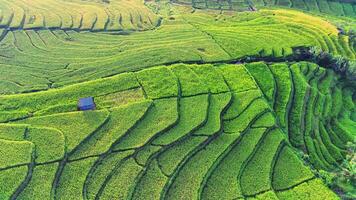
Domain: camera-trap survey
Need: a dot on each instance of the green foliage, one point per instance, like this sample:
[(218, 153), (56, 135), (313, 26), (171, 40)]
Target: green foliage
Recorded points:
[(188, 179), (160, 117), (209, 142), (68, 124), (158, 82), (270, 195), (119, 98), (102, 171), (295, 117), (193, 113), (313, 189), (145, 153), (72, 179), (266, 120), (289, 170), (337, 8), (240, 102), (41, 182), (12, 131), (78, 55), (53, 100), (170, 159), (151, 184), (222, 182), (121, 119), (239, 124), (49, 143), (345, 177), (10, 180), (11, 116), (255, 176), (346, 134), (313, 153), (15, 153), (122, 182), (333, 150), (211, 78), (71, 107), (281, 74), (237, 77), (264, 79), (217, 104), (189, 82)]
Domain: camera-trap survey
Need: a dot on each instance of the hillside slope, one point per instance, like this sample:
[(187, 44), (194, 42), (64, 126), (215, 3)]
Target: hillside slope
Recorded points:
[(33, 60), (193, 99), (181, 131)]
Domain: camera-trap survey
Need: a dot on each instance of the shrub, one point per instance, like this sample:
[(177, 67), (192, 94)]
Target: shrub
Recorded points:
[(339, 64), (143, 155), (69, 95), (269, 195), (12, 131), (296, 113), (334, 151), (314, 156), (266, 120), (12, 116), (283, 81)]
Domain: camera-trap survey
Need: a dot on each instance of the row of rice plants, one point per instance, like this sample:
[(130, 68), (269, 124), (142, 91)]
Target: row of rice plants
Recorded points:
[(116, 16), (175, 138)]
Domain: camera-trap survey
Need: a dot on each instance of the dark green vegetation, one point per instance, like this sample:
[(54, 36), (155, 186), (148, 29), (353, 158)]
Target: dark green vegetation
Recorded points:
[(195, 131)]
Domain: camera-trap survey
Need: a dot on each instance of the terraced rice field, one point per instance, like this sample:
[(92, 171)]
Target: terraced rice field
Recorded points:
[(185, 108), (187, 132), (333, 7), (33, 60), (90, 15)]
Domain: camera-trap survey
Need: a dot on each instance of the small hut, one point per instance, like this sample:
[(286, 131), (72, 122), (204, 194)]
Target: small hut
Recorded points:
[(86, 104)]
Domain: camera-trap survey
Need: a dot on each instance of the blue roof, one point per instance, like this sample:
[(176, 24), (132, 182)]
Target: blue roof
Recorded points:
[(86, 103)]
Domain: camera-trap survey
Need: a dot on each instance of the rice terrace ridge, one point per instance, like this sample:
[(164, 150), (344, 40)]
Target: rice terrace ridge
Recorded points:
[(177, 99)]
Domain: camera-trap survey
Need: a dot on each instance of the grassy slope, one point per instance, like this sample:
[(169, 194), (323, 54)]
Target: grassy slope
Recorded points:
[(164, 146), (191, 127), (53, 58)]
